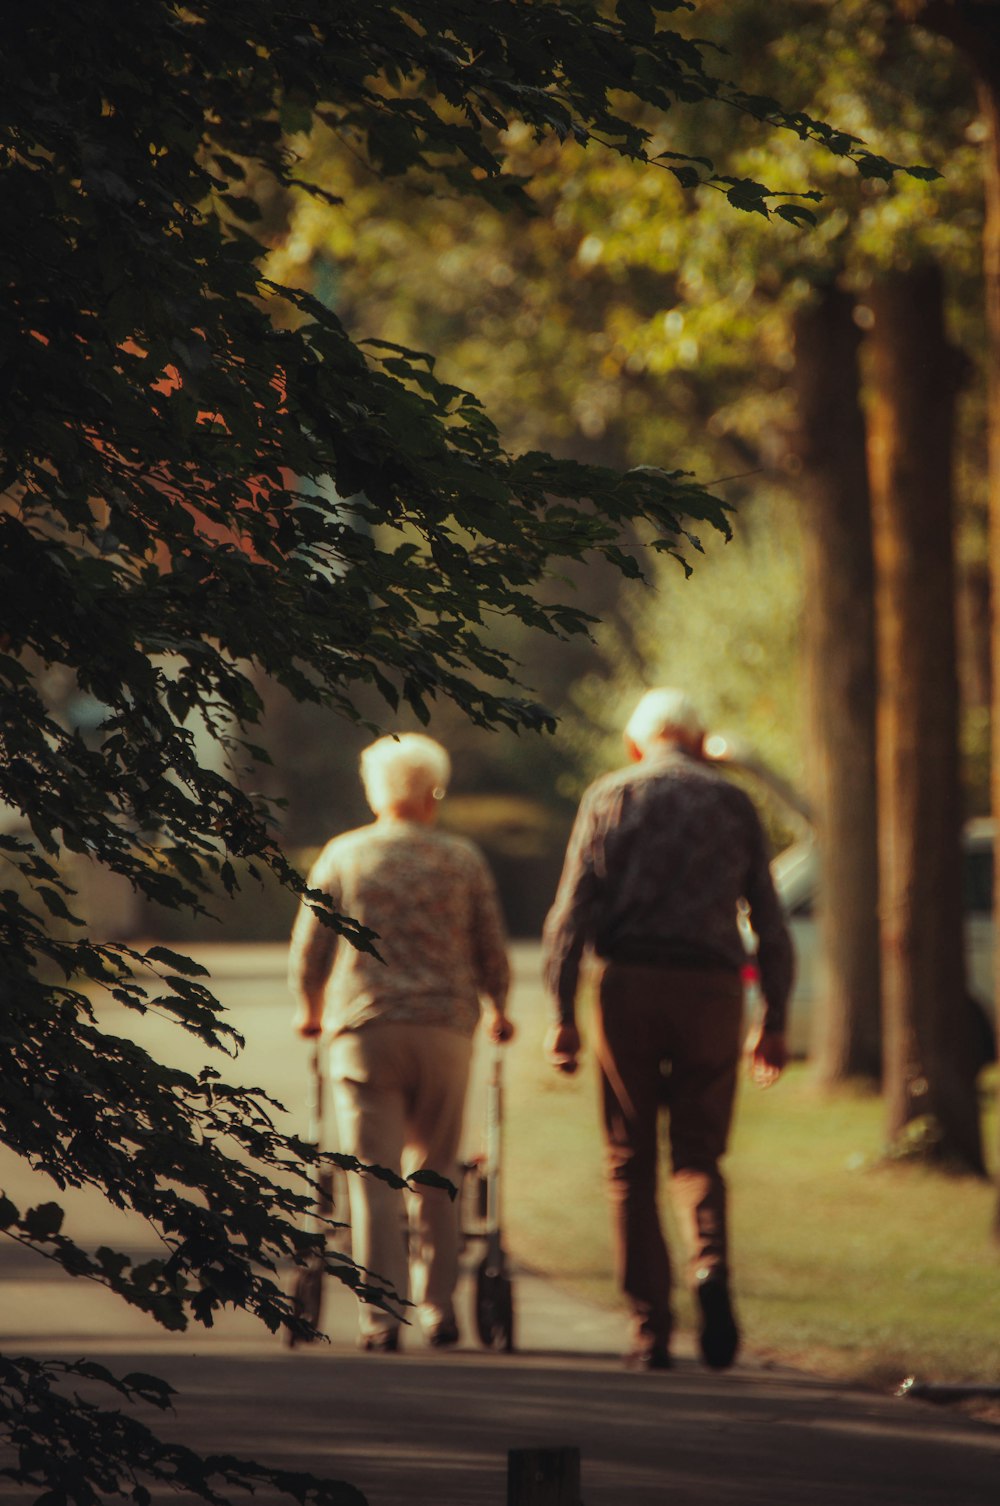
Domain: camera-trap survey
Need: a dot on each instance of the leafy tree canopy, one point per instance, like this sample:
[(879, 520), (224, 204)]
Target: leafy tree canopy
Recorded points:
[(169, 414), (619, 318)]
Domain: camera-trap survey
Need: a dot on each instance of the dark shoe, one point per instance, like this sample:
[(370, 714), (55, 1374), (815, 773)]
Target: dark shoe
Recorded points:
[(384, 1341), (719, 1336), (443, 1336), (657, 1358)]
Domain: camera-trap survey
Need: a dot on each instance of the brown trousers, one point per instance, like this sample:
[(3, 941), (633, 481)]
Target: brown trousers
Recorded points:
[(666, 1037)]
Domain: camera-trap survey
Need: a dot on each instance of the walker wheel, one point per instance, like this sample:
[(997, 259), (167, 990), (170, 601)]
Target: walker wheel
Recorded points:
[(494, 1307), (307, 1299)]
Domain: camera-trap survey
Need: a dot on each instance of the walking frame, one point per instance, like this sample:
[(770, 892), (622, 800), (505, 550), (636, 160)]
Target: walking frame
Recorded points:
[(480, 1215)]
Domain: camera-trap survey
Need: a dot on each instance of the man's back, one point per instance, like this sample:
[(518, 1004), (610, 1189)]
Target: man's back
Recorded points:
[(662, 853), (681, 848)]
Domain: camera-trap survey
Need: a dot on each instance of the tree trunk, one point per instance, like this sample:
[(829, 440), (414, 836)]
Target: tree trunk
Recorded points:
[(974, 659), (975, 30), (989, 99), (930, 1082), (829, 441)]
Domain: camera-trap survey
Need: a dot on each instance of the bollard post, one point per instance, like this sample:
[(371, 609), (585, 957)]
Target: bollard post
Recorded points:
[(543, 1477)]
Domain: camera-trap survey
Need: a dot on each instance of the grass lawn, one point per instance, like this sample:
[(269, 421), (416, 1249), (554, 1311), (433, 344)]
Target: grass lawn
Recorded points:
[(843, 1266)]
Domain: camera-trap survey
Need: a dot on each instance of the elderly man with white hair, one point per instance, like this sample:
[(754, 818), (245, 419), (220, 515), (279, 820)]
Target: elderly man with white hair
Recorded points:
[(661, 855), (402, 1022)]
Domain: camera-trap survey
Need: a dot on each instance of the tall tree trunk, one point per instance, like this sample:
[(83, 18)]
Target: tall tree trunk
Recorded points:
[(931, 1097), (975, 672), (829, 440), (974, 27), (989, 99)]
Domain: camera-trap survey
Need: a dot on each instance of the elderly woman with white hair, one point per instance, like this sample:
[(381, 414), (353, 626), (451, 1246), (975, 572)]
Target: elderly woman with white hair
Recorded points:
[(402, 1022)]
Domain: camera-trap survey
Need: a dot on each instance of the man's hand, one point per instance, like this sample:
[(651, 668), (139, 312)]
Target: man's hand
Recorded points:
[(562, 1047), (499, 1027), (766, 1055)]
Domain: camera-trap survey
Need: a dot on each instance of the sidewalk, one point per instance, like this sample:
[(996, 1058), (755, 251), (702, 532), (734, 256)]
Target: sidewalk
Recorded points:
[(45, 1312)]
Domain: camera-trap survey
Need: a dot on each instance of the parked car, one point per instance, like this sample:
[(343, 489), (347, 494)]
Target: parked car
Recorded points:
[(796, 879)]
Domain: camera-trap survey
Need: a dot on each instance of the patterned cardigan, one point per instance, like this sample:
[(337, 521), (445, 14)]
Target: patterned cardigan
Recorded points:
[(432, 903)]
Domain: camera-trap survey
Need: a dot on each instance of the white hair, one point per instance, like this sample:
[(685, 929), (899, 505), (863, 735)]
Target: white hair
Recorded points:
[(402, 768), (661, 714)]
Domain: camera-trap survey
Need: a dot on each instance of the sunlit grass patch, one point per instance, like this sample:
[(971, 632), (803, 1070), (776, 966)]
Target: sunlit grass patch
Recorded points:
[(843, 1263)]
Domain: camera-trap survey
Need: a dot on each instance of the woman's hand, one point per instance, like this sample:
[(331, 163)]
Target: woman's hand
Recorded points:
[(308, 1025), (499, 1027)]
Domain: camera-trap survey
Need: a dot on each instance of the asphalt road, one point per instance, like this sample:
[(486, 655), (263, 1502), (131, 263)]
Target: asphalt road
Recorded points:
[(428, 1429)]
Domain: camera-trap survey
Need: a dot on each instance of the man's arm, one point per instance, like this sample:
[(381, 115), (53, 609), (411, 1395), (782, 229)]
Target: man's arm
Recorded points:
[(766, 1048), (569, 926)]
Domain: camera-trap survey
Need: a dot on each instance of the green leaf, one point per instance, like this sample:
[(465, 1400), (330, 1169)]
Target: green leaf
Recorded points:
[(748, 196), (795, 214), (247, 210), (229, 165), (56, 905), (43, 1222), (638, 17), (150, 1387), (175, 960), (428, 1178), (296, 115), (872, 166), (111, 1261)]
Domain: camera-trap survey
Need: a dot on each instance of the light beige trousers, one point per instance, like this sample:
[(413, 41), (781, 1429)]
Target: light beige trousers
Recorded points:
[(399, 1097)]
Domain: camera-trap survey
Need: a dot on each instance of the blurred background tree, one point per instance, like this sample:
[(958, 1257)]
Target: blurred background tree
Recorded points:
[(617, 319), (972, 27)]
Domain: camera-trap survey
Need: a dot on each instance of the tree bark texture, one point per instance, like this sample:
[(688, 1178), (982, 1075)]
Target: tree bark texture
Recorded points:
[(974, 657), (974, 27), (829, 441), (929, 1076), (989, 100)]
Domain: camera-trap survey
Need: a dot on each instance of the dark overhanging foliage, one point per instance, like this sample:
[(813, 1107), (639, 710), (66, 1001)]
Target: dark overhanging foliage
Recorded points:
[(167, 414)]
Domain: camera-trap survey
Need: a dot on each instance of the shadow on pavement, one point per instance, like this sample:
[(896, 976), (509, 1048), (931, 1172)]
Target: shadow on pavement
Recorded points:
[(430, 1431)]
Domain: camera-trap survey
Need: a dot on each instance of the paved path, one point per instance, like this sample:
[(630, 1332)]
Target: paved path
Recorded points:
[(427, 1429), (424, 1429)]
